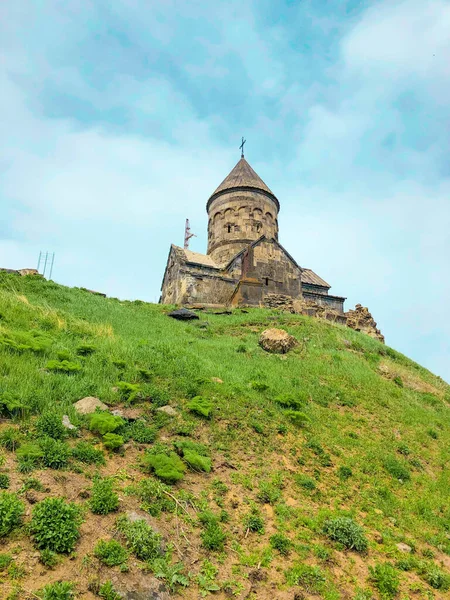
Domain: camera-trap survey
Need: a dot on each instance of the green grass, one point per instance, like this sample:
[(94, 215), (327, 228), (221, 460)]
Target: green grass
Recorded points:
[(318, 434)]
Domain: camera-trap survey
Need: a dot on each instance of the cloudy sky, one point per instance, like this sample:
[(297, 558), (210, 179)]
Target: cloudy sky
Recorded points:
[(120, 118)]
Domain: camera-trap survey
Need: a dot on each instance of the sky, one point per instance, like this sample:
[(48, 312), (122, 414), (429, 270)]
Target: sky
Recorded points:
[(119, 119)]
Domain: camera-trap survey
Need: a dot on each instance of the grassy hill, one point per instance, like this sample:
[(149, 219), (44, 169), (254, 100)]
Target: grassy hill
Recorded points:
[(322, 473)]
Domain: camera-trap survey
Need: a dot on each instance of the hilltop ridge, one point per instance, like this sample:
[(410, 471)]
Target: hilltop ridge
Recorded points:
[(219, 469)]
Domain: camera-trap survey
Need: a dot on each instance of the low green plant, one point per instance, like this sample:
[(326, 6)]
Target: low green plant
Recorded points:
[(56, 453), (305, 482), (29, 456), (140, 432), (113, 441), (269, 492), (386, 579), (196, 461), (140, 538), (50, 425), (213, 537), (281, 543), (107, 592), (85, 349), (11, 512), (310, 578), (172, 574), (103, 499), (128, 391), (104, 422), (168, 467), (4, 481), (397, 469), (10, 405), (156, 496), (145, 374), (10, 438), (5, 561), (200, 406), (259, 386), (63, 366), (60, 590), (88, 454), (55, 525), (344, 473), (48, 558), (347, 532), (437, 579), (291, 401), (110, 553), (207, 577), (63, 355), (254, 521), (297, 418), (433, 434), (403, 449)]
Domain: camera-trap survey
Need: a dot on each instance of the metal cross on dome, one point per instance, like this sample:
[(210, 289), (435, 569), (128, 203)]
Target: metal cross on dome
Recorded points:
[(242, 147)]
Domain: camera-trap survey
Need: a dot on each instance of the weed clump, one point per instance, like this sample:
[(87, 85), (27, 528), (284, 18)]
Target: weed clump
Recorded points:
[(104, 499), (110, 553), (155, 497), (107, 592), (168, 467), (85, 349), (128, 391), (10, 438), (50, 425), (281, 543), (254, 521), (397, 469), (48, 558), (63, 366), (310, 578), (4, 481), (60, 590), (113, 441), (105, 422), (55, 525), (200, 406), (29, 456), (195, 455), (297, 418), (141, 433), (140, 538), (87, 454), (344, 473), (56, 453), (385, 578), (348, 533), (11, 512)]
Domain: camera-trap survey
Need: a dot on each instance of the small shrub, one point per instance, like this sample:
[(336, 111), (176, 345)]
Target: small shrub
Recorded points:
[(281, 543), (48, 558), (433, 434), (55, 525), (259, 386), (5, 561), (104, 499), (257, 427), (60, 590), (145, 374), (63, 355), (155, 498), (85, 349), (107, 592), (305, 482), (403, 449), (141, 433), (398, 381), (254, 521), (128, 391), (241, 348), (56, 453), (63, 366), (10, 438), (141, 539), (120, 364), (110, 553), (87, 454), (29, 456), (50, 425), (200, 406), (197, 462), (395, 468), (105, 422), (4, 481), (291, 401), (10, 405), (344, 473), (269, 492), (437, 579), (113, 441), (310, 578), (348, 533), (385, 578), (213, 537), (11, 512), (168, 467), (172, 575)]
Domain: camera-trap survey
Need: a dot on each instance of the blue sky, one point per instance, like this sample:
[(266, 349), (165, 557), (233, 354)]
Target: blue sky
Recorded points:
[(120, 119)]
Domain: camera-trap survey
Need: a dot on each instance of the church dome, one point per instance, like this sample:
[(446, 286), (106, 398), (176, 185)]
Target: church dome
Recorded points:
[(243, 178)]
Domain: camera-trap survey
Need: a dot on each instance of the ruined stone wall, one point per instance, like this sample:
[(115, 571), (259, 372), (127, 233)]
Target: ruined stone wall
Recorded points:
[(331, 302), (238, 218), (360, 319)]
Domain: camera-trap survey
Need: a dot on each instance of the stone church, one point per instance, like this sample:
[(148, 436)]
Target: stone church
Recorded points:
[(245, 264)]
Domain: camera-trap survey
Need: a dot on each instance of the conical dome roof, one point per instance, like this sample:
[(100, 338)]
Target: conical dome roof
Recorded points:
[(243, 177)]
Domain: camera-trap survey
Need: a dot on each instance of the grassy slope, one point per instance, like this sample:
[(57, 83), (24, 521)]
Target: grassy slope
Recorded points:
[(366, 405)]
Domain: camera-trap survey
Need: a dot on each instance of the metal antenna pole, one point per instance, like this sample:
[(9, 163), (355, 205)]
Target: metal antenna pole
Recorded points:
[(187, 235), (51, 266), (45, 263), (39, 261)]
